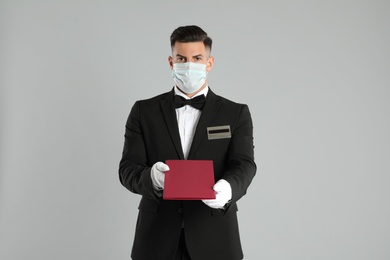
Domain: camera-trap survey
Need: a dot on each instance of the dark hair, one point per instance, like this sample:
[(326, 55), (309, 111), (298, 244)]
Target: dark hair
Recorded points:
[(190, 33)]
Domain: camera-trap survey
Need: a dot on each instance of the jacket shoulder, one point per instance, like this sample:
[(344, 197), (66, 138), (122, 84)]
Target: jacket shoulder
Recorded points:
[(227, 102), (155, 99)]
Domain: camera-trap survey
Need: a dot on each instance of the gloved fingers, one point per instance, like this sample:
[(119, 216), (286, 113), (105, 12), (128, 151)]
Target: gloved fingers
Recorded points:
[(217, 187), (158, 174), (213, 203), (162, 167), (221, 198), (209, 201), (221, 185), (161, 178)]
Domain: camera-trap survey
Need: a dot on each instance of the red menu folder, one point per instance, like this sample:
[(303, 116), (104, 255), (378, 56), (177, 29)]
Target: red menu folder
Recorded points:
[(189, 180)]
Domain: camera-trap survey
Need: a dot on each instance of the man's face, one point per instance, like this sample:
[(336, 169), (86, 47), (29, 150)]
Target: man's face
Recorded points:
[(196, 52)]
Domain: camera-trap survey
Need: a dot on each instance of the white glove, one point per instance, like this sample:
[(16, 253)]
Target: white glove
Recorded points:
[(158, 175), (223, 195)]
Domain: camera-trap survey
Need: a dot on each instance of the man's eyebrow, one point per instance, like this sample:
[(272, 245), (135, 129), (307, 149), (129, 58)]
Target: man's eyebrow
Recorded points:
[(195, 56)]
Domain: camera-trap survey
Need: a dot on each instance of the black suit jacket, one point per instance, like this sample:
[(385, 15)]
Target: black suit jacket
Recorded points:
[(152, 135)]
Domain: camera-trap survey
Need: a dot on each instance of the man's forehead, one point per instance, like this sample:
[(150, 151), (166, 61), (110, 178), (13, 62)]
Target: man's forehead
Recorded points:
[(189, 48)]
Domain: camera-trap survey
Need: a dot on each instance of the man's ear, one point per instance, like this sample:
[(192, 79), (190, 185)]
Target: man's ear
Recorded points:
[(210, 63), (170, 60)]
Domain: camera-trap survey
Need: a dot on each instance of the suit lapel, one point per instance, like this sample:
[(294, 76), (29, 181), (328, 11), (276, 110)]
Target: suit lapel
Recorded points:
[(209, 111), (168, 110)]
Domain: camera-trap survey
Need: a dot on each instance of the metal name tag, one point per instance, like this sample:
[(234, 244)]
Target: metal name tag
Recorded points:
[(218, 132)]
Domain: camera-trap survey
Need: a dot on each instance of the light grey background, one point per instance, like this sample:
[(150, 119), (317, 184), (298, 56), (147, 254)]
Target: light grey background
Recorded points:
[(315, 75)]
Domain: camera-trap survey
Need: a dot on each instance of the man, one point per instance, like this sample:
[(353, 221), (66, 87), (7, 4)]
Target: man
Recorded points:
[(165, 127)]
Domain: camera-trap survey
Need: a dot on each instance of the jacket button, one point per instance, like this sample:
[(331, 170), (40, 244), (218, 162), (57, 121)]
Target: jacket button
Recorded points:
[(180, 210)]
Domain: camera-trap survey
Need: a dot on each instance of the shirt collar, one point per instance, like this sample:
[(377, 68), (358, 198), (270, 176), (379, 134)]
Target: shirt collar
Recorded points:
[(202, 92)]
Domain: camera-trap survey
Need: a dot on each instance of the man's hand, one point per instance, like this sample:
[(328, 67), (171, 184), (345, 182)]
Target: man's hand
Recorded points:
[(158, 175), (223, 192)]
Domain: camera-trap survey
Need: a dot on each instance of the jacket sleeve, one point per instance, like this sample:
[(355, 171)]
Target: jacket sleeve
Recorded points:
[(134, 173), (241, 167)]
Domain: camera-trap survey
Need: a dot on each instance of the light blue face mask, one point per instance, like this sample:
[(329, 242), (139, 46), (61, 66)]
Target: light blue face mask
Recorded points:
[(189, 76)]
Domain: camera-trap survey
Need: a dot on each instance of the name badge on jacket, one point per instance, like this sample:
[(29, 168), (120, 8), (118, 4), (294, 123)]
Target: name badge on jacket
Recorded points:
[(218, 132)]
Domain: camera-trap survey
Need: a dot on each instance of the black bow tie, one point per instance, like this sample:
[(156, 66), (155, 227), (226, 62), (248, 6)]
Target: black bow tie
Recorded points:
[(196, 102)]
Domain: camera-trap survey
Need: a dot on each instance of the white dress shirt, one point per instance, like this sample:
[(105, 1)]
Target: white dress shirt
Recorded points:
[(187, 119)]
